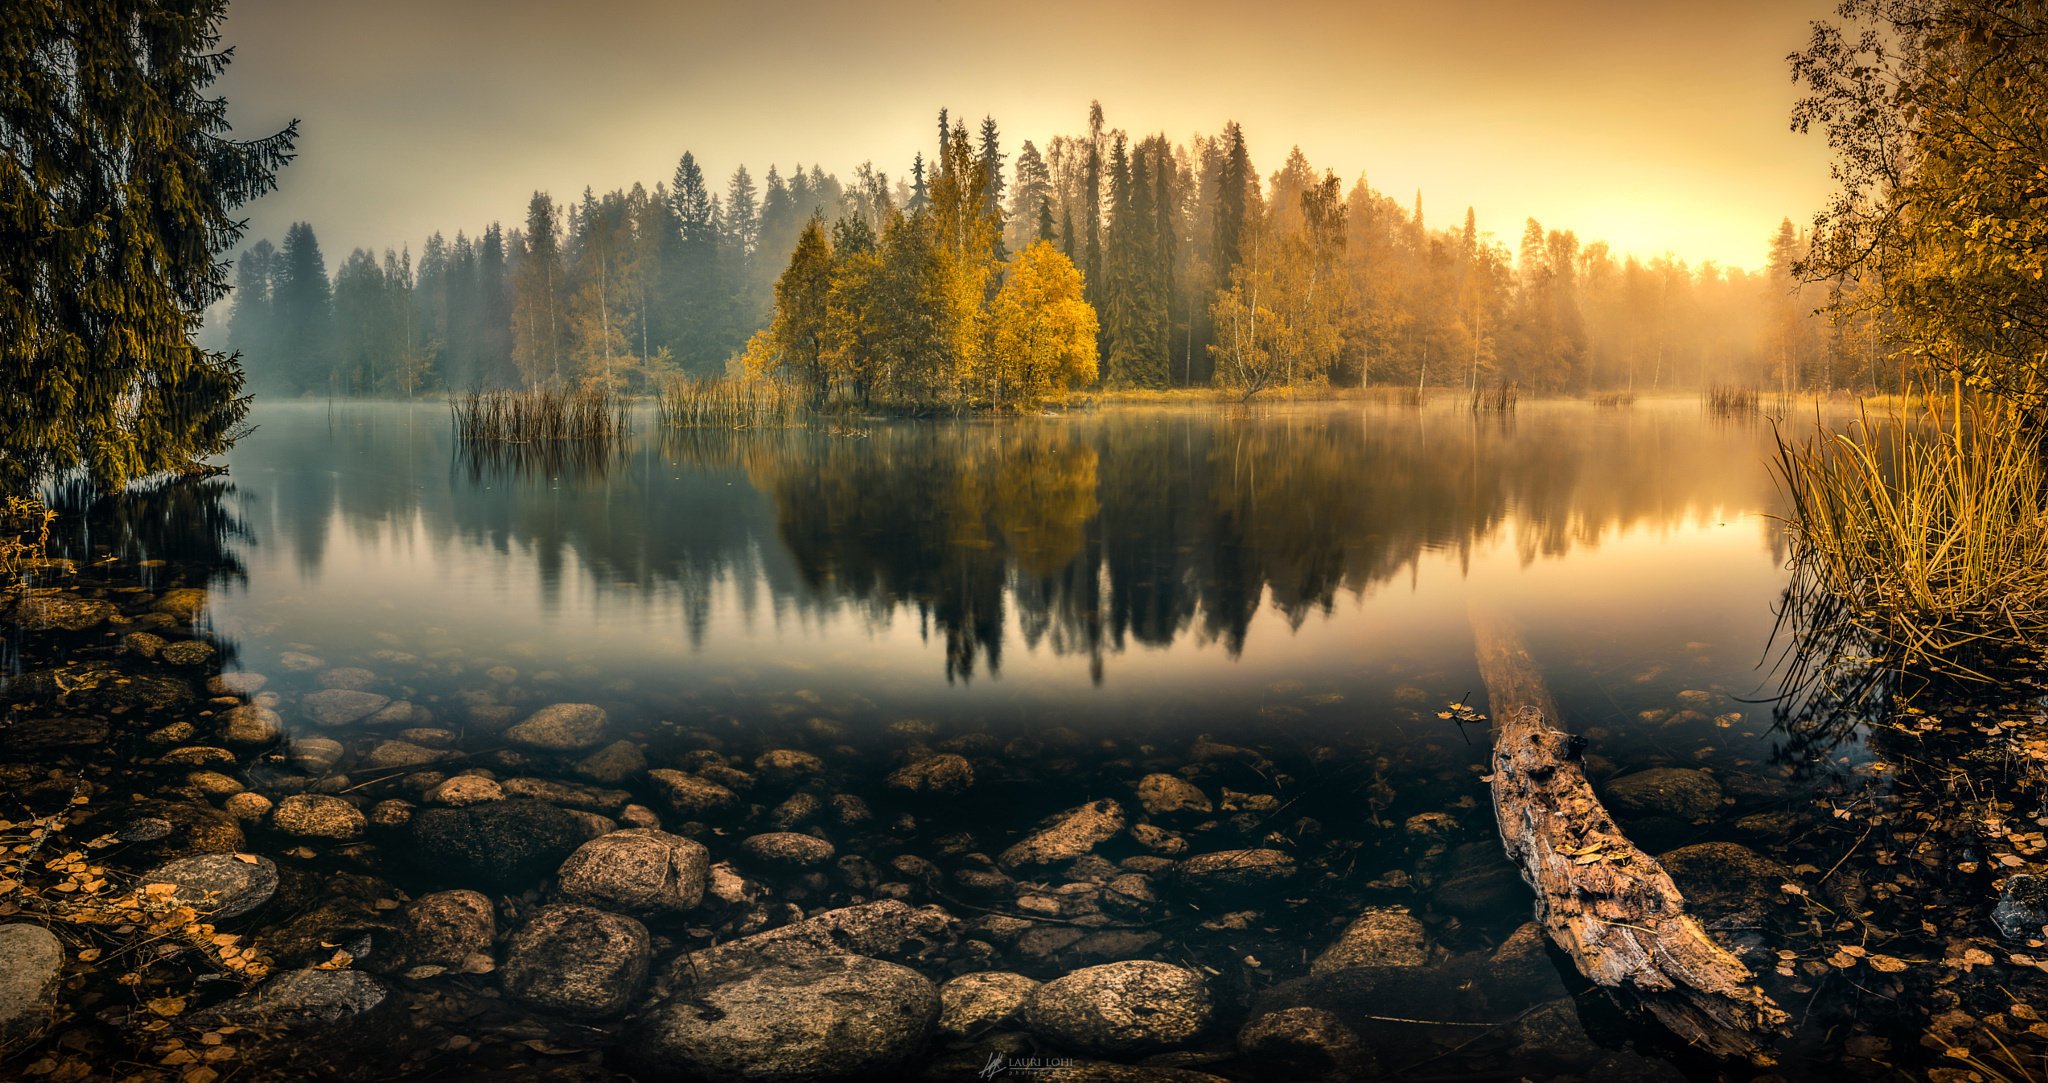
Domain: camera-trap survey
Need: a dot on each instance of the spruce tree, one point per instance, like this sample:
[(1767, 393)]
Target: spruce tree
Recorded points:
[(304, 307), (119, 189)]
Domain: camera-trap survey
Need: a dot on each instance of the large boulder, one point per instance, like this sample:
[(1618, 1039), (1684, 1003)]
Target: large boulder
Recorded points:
[(577, 960), (890, 929), (31, 964), (690, 795), (563, 727), (1127, 1008), (1166, 795), (511, 843), (637, 870), (973, 1003), (453, 930), (837, 1018), (1068, 835), (218, 886), (1677, 792), (1380, 936)]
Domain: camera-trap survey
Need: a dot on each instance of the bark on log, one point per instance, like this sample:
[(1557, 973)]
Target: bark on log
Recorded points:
[(1603, 901)]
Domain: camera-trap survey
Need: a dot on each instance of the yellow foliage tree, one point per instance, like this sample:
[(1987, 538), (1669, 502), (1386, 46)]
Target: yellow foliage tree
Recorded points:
[(1042, 334)]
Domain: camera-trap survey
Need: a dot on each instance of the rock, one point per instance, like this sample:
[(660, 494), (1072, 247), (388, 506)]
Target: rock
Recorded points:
[(946, 774), (389, 754), (1130, 894), (1165, 795), (613, 764), (187, 652), (31, 965), (563, 727), (315, 755), (297, 998), (1380, 936), (638, 871), (177, 828), (184, 605), (250, 726), (465, 790), (41, 734), (199, 756), (62, 613), (1233, 870), (787, 850), (2022, 907), (890, 929), (500, 842), (1304, 1043), (972, 1003), (837, 1018), (391, 813), (1158, 839), (247, 807), (299, 661), (1728, 887), (567, 794), (239, 683), (577, 960), (353, 678), (1678, 792), (1126, 1008), (219, 886), (1485, 892), (445, 928), (1068, 835), (318, 816), (340, 706), (690, 795), (786, 766), (213, 784)]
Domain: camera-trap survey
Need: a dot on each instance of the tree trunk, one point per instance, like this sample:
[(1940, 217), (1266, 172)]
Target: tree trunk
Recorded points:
[(1607, 904)]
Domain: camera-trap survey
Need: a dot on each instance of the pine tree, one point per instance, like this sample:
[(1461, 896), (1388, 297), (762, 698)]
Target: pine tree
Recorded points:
[(990, 161), (494, 310), (303, 303), (539, 320), (1091, 210), (1233, 185), (252, 320), (118, 191)]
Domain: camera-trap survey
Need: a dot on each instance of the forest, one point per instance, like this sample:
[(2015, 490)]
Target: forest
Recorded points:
[(1199, 270)]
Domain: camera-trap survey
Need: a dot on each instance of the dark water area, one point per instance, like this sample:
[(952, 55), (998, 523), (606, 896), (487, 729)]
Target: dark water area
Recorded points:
[(1270, 605)]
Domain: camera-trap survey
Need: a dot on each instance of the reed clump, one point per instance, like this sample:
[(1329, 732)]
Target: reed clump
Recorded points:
[(731, 402), (540, 415), (1725, 400), (1927, 531), (1500, 400), (1614, 399)]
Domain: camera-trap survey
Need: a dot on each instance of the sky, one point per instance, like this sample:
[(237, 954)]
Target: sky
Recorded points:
[(1657, 127)]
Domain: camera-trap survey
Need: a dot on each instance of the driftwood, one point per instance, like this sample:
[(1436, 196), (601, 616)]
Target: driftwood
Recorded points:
[(1606, 903)]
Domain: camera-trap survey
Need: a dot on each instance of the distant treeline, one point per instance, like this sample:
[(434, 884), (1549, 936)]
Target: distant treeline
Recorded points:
[(1199, 272)]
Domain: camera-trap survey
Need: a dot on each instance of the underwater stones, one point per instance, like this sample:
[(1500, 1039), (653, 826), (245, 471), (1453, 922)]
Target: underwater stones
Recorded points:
[(187, 652), (177, 828), (1678, 792), (972, 1003), (353, 678), (62, 613), (184, 605), (612, 764), (340, 706), (1728, 886), (465, 790), (500, 842), (31, 965), (218, 886), (41, 734), (945, 774), (1379, 936), (1232, 870), (247, 807), (689, 794), (637, 870), (836, 1018), (298, 998), (577, 960), (299, 661), (2022, 908), (788, 766), (1158, 839), (315, 755), (389, 754), (787, 850), (251, 726), (561, 727), (318, 816), (240, 683), (1305, 1043), (1132, 1007), (448, 929), (1165, 795), (1068, 835), (890, 929)]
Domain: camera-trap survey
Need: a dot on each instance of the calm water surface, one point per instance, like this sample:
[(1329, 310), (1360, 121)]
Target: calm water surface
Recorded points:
[(1299, 571)]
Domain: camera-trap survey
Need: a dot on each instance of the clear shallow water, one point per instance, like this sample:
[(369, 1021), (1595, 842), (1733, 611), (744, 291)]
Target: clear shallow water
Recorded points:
[(1303, 571)]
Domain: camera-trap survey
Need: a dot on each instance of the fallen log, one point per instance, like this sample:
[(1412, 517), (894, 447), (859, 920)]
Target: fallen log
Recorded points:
[(1603, 901)]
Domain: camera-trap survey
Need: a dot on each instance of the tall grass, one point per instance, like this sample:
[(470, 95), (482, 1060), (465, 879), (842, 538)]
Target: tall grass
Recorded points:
[(1723, 400), (540, 415), (1614, 399), (1928, 532), (1500, 400), (730, 402)]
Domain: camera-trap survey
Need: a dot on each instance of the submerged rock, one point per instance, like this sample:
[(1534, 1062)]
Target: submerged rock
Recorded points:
[(1227, 870), (318, 816), (577, 960), (500, 842), (447, 929), (637, 870), (945, 774), (62, 613), (1677, 792), (251, 726), (1068, 835), (972, 1003), (787, 850), (2022, 908), (31, 964), (1305, 1043), (890, 929), (689, 794), (562, 727), (218, 886), (1380, 936), (839, 1018), (613, 764), (1165, 795), (297, 998), (1132, 1007), (340, 706)]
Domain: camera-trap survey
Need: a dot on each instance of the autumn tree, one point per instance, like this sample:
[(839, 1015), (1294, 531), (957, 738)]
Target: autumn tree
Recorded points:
[(1042, 341)]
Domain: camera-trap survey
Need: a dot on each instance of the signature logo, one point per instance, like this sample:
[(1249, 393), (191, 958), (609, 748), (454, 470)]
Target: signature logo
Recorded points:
[(998, 1064)]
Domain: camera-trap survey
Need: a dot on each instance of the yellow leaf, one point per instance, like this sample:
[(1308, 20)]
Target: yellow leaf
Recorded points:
[(167, 1006), (1886, 964)]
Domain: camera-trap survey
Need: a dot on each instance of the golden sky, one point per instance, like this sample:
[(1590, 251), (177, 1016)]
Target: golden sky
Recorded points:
[(1656, 126)]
